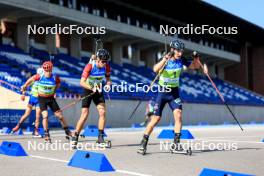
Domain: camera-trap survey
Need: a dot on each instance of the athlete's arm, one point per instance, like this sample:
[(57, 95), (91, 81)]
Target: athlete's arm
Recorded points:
[(85, 75), (195, 64), (157, 67), (84, 85), (29, 81)]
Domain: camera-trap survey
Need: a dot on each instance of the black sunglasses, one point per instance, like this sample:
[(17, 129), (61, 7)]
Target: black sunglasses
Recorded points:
[(104, 62)]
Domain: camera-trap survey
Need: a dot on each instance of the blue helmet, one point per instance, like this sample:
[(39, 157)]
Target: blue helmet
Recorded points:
[(103, 54), (177, 44)]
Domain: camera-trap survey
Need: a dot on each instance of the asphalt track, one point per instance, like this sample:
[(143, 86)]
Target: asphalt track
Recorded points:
[(248, 158)]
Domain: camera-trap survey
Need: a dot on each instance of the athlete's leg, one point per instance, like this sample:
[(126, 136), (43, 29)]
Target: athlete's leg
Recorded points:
[(37, 122), (101, 122), (159, 105), (79, 126), (45, 120), (177, 114), (43, 105), (144, 142), (23, 118), (84, 116), (153, 122), (38, 114), (176, 106), (61, 118), (26, 114), (86, 102), (102, 119), (82, 119)]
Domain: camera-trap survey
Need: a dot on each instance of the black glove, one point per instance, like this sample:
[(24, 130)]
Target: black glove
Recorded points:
[(195, 54)]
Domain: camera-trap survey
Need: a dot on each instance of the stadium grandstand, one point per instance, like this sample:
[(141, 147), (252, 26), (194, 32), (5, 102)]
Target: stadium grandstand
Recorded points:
[(131, 32)]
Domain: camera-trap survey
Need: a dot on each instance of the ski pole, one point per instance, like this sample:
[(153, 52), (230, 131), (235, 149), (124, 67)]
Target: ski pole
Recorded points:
[(195, 54)]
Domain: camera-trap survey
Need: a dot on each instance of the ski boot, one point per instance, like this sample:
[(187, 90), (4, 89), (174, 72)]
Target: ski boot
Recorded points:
[(36, 133), (101, 142), (68, 133), (16, 128), (143, 145), (74, 140), (47, 136)]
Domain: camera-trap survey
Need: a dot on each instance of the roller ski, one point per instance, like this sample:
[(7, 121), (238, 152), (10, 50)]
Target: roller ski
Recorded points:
[(47, 138), (176, 148), (143, 146), (103, 143)]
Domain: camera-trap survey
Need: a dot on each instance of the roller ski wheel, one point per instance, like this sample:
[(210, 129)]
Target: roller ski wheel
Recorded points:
[(73, 145), (105, 143)]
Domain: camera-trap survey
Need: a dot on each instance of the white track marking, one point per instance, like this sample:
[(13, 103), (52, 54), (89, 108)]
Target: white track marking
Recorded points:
[(131, 173), (65, 161), (223, 137), (222, 140), (46, 158)]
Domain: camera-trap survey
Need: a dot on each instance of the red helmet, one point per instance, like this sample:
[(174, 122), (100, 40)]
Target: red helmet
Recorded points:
[(47, 66)]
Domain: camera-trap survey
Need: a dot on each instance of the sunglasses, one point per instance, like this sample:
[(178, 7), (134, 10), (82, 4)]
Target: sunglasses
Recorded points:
[(179, 50), (104, 62)]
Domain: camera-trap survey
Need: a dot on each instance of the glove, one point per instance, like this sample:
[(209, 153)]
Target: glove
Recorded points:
[(22, 88), (195, 54), (169, 55), (22, 97)]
